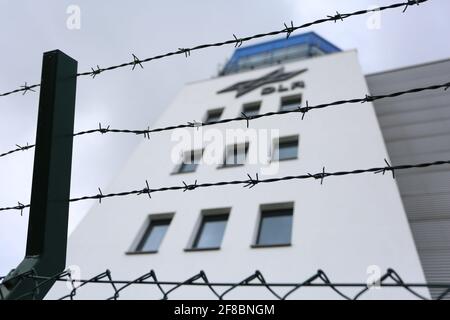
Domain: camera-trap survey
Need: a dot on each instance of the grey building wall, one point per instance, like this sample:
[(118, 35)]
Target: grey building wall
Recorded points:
[(416, 128)]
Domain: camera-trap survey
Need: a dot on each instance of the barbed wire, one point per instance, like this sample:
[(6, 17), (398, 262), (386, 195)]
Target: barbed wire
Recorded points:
[(19, 148), (236, 41), (390, 279), (248, 183), (320, 279), (23, 89), (302, 110)]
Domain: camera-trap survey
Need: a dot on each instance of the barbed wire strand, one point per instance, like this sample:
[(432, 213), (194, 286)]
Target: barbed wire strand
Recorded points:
[(248, 183), (390, 279), (302, 110), (23, 89), (19, 148), (237, 42)]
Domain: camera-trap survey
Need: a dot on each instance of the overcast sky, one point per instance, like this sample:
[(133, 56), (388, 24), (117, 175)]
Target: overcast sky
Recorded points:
[(111, 31)]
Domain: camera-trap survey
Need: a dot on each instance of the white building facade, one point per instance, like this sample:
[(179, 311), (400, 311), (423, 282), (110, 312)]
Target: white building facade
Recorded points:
[(350, 227)]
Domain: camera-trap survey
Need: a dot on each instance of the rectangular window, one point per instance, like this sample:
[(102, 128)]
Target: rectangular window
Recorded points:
[(236, 155), (251, 109), (213, 115), (211, 231), (286, 149), (275, 227), (190, 161), (291, 103), (153, 236)]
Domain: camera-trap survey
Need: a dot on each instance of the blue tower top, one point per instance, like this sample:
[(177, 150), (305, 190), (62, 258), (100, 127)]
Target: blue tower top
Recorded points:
[(302, 46)]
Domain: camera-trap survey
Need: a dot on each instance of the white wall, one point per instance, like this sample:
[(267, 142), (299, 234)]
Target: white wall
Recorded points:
[(341, 227)]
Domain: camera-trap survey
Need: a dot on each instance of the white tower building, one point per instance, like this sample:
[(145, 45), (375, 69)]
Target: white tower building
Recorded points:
[(349, 227)]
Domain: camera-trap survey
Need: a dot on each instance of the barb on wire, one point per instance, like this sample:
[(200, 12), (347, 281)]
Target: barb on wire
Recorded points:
[(388, 168), (26, 88), (186, 51), (321, 175), (288, 30), (146, 190), (188, 187), (247, 118), (194, 124), (238, 41), (100, 195), (252, 182), (19, 148), (411, 2), (24, 147), (95, 72), (20, 206), (338, 16), (102, 130), (249, 182), (368, 98), (390, 279), (136, 61), (146, 133), (304, 110)]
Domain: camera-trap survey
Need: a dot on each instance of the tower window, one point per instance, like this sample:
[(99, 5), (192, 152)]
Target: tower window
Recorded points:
[(153, 235), (235, 155), (291, 103), (190, 161), (213, 115), (286, 149), (275, 227), (211, 231), (251, 109)]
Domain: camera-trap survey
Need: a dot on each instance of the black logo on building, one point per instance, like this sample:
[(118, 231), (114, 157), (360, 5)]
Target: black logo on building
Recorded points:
[(278, 75)]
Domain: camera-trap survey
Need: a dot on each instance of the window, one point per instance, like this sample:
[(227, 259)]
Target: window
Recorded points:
[(153, 236), (213, 115), (235, 155), (275, 227), (251, 109), (291, 103), (211, 231), (190, 162), (286, 149)]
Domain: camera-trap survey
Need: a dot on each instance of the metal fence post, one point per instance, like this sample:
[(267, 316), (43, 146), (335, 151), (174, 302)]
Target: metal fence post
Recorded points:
[(47, 227)]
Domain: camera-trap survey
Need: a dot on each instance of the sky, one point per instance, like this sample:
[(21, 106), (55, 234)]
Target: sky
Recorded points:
[(111, 31)]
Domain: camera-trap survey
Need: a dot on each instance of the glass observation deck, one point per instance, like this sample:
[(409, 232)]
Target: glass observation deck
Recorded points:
[(297, 47)]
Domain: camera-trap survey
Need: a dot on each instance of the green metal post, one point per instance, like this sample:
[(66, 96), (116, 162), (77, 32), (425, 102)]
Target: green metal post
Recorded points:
[(49, 211)]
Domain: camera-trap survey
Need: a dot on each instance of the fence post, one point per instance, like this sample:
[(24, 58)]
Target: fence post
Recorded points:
[(47, 226)]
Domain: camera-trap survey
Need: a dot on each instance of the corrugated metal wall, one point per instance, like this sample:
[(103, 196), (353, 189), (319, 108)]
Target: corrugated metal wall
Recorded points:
[(416, 128)]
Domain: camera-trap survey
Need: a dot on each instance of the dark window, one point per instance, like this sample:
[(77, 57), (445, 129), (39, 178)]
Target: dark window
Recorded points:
[(190, 162), (153, 236), (275, 227), (286, 149), (251, 109), (291, 103), (236, 155), (213, 115), (211, 232)]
